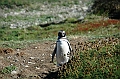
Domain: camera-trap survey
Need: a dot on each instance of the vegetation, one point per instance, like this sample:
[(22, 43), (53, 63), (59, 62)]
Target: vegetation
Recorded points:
[(8, 69), (110, 27), (110, 8), (18, 3), (94, 60), (97, 58), (105, 28)]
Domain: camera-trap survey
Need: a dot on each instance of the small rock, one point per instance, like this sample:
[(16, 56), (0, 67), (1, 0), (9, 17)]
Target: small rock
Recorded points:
[(14, 72), (36, 47), (37, 68), (1, 57), (85, 8), (31, 63), (32, 57), (42, 60), (26, 66)]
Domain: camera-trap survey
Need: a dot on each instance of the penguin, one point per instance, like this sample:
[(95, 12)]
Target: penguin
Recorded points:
[(62, 49)]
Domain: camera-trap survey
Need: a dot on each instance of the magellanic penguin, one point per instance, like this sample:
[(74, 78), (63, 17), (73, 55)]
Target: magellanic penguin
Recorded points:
[(62, 49)]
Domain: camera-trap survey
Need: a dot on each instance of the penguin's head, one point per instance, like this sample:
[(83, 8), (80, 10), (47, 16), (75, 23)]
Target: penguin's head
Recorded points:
[(61, 34)]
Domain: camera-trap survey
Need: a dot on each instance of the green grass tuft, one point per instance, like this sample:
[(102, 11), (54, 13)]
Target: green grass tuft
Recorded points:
[(8, 69)]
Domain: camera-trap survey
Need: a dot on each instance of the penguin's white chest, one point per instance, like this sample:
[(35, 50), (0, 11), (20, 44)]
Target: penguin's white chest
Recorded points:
[(62, 47), (62, 52)]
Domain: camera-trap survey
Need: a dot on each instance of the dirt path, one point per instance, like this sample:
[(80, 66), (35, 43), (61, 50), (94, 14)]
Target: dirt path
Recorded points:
[(33, 62)]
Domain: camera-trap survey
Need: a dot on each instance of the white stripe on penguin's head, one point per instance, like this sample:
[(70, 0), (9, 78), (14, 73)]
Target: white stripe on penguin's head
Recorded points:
[(61, 34)]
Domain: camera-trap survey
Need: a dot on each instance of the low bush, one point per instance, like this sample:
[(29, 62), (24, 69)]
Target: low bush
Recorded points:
[(109, 8), (94, 60)]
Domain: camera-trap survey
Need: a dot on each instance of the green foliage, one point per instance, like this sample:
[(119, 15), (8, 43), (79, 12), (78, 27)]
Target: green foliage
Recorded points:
[(8, 69), (107, 7), (70, 20), (12, 3), (33, 32), (21, 3), (117, 49), (37, 33), (19, 34), (94, 60)]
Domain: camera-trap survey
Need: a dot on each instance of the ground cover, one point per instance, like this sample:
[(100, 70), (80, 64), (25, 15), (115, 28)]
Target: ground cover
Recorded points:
[(96, 52)]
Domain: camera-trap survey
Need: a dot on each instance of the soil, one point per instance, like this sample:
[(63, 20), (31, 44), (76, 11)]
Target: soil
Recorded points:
[(32, 62)]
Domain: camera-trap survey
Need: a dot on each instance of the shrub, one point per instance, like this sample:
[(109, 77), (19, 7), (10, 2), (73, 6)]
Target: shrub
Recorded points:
[(12, 3), (107, 7)]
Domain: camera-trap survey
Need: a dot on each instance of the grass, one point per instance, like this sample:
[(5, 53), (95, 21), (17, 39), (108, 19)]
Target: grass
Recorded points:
[(95, 61), (17, 3), (95, 29), (12, 3), (8, 69), (97, 58)]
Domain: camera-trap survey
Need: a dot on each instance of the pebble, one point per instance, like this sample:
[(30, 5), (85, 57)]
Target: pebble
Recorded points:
[(37, 68), (26, 66), (14, 72), (1, 57), (32, 57), (31, 63)]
